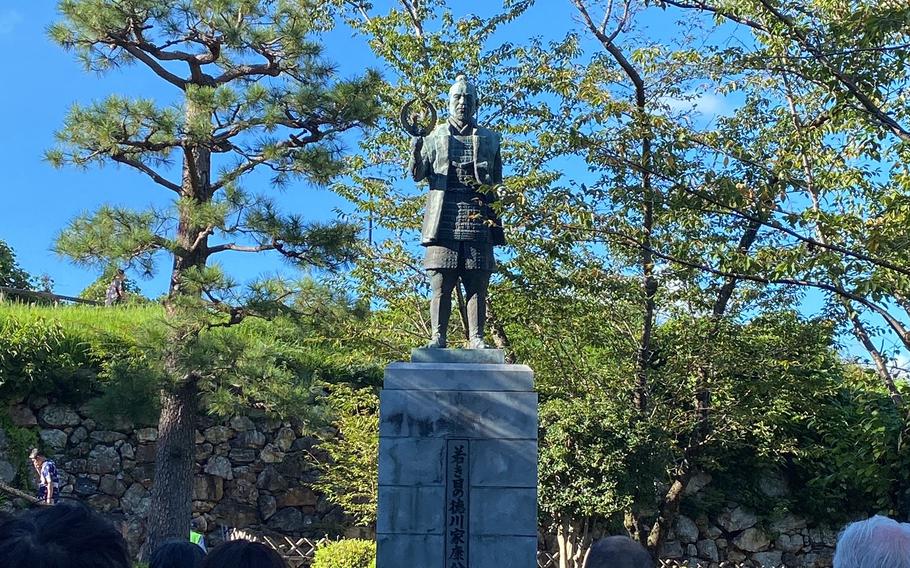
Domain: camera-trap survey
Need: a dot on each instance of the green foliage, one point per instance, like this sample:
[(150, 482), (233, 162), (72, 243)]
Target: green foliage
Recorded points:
[(114, 357), (347, 553), (11, 274), (783, 405), (854, 451), (37, 356), (591, 461), (124, 235), (128, 390), (349, 477), (275, 362), (69, 353), (101, 327), (19, 442)]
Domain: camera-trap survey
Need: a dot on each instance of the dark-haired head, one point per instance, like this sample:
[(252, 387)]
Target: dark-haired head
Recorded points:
[(618, 552), (177, 554), (62, 536), (243, 554)]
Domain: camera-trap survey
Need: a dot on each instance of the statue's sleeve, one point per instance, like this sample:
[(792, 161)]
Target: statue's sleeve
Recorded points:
[(420, 162)]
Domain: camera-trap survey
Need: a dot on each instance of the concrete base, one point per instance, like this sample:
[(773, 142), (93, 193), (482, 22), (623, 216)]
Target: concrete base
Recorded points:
[(426, 355), (457, 462)]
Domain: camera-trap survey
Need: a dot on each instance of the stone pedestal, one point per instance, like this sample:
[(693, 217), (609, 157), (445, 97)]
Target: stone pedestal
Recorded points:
[(457, 462)]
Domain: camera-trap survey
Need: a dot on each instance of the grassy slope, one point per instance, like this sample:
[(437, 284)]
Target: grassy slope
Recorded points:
[(84, 320)]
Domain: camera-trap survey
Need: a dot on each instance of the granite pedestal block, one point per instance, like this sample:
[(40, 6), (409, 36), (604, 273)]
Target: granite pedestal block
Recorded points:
[(457, 462)]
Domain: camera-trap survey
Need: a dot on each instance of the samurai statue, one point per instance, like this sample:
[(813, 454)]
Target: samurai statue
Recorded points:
[(462, 163)]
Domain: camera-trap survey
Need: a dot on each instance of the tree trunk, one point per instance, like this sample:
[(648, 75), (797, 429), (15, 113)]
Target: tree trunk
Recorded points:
[(498, 333), (668, 505), (171, 499), (668, 509), (574, 540)]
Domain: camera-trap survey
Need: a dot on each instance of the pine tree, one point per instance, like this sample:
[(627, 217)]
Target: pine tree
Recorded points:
[(253, 92)]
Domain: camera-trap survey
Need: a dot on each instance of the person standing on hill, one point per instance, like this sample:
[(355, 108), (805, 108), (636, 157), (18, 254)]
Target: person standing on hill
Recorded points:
[(48, 478), (114, 293)]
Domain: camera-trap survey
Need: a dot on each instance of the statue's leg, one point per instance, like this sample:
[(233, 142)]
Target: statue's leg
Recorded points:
[(475, 288), (442, 282)]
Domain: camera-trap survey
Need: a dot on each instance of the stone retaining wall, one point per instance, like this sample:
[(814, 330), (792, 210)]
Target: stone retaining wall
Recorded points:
[(254, 473), (737, 536), (250, 473)]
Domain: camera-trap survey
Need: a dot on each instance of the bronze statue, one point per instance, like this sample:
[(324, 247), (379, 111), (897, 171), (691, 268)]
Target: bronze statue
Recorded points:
[(462, 163)]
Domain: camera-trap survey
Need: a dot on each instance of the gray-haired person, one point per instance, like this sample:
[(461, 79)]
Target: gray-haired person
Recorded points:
[(48, 478), (618, 552), (878, 542)]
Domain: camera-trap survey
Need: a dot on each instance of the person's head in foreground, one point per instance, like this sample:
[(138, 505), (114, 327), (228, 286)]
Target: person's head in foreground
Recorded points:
[(243, 554), (63, 536), (618, 552), (878, 542), (177, 554)]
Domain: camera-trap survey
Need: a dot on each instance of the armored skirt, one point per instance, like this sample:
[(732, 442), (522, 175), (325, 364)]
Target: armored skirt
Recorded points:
[(464, 255)]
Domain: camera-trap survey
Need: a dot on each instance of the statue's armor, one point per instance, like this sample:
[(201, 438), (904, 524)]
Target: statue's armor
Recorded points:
[(464, 228), (463, 209)]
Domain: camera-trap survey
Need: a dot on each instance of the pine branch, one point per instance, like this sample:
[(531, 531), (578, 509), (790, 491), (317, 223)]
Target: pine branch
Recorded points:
[(239, 248), (154, 65), (272, 68), (155, 176)]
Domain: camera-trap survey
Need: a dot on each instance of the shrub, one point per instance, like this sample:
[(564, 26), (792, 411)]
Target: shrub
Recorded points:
[(19, 441), (38, 357), (76, 353), (349, 476), (11, 274), (347, 553)]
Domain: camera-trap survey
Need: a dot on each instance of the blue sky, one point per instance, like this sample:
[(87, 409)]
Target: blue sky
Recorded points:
[(38, 200)]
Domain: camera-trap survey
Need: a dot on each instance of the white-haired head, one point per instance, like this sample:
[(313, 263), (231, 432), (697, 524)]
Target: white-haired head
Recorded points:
[(462, 101), (878, 542)]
